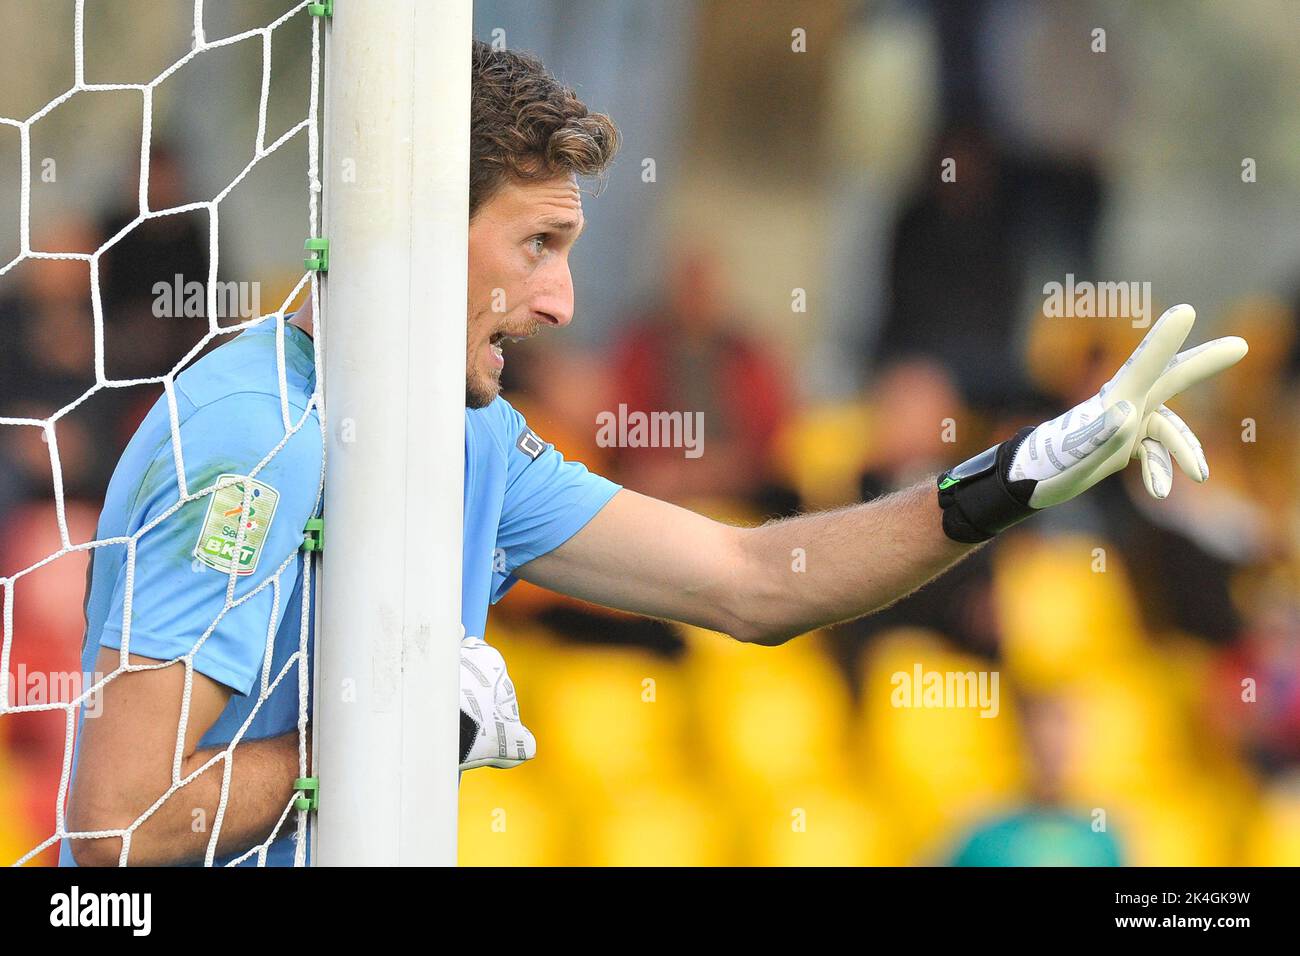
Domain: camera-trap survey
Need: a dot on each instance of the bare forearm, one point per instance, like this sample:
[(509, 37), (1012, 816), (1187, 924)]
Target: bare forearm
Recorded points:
[(261, 785), (760, 585), (813, 570)]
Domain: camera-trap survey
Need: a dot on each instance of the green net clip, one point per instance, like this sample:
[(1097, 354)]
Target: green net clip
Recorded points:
[(320, 255), (310, 787), (325, 9), (313, 535)]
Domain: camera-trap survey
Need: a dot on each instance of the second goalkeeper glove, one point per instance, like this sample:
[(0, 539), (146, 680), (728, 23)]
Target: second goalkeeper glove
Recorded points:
[(1044, 466), (491, 733)]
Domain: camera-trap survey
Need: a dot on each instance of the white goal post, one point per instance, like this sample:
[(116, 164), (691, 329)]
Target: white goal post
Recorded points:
[(395, 174)]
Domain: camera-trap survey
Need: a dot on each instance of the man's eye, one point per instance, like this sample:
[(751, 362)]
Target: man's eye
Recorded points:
[(536, 244)]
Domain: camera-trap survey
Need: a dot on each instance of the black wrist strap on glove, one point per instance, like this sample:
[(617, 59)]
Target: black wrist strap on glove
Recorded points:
[(977, 499)]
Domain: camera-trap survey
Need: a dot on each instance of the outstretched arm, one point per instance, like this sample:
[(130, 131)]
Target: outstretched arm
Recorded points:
[(765, 585), (761, 585)]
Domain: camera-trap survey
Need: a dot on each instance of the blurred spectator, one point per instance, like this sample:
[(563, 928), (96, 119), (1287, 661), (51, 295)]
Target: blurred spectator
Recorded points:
[(911, 402), (961, 255), (46, 325), (1044, 832), (1181, 550), (1264, 719), (47, 361), (954, 276), (921, 426), (688, 355), (44, 662), (1019, 92), (560, 390), (140, 343)]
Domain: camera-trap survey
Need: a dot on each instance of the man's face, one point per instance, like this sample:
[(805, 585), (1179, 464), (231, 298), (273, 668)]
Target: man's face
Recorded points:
[(519, 277)]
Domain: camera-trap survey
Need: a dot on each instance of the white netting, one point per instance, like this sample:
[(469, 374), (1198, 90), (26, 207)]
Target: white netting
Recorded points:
[(297, 662)]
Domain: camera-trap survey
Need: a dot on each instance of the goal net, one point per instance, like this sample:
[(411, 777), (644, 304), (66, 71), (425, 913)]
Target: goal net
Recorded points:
[(391, 188)]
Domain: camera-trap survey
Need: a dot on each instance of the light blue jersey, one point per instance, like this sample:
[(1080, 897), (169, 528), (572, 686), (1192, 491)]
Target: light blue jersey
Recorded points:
[(230, 418), (522, 499)]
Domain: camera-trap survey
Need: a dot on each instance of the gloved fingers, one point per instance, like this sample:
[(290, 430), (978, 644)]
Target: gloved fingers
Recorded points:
[(1172, 432), (1152, 356), (492, 734), (1157, 469), (1195, 365), (503, 745), (529, 742), (1109, 453)]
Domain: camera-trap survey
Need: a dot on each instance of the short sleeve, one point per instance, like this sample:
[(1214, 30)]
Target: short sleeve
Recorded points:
[(547, 499), (183, 564)]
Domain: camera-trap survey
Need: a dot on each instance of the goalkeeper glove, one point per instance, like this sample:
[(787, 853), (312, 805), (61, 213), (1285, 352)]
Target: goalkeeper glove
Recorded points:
[(1044, 466), (491, 733)]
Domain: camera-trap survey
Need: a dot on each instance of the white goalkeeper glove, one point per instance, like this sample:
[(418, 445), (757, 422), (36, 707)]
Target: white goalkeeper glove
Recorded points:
[(1044, 466), (491, 733)]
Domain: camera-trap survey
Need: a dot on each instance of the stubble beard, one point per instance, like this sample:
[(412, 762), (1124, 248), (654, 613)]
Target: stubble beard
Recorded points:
[(479, 391)]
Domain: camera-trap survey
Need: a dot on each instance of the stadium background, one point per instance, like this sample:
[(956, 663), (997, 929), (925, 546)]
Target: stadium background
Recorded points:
[(749, 172)]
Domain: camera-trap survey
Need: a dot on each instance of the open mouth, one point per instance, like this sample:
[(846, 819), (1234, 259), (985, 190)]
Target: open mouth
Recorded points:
[(496, 343)]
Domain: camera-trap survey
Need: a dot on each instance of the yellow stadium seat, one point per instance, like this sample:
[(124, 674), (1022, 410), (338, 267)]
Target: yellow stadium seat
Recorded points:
[(821, 453), (606, 718), (942, 767), (769, 715), (1186, 823), (1130, 736), (528, 649), (1274, 835), (659, 823), (819, 824), (507, 821), (1059, 616)]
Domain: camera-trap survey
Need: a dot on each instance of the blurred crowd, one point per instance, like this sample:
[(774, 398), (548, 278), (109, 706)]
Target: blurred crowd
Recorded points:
[(49, 353), (1148, 653)]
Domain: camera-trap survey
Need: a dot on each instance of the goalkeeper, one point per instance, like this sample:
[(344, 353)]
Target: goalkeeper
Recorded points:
[(529, 513)]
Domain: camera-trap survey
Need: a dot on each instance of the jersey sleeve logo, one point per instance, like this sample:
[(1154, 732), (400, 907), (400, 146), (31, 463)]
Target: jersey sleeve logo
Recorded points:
[(530, 443), (221, 527)]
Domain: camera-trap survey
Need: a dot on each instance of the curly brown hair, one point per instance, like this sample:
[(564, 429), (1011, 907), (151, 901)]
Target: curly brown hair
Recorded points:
[(525, 125)]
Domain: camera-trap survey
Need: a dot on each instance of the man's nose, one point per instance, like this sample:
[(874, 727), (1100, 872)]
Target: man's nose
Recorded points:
[(555, 307)]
